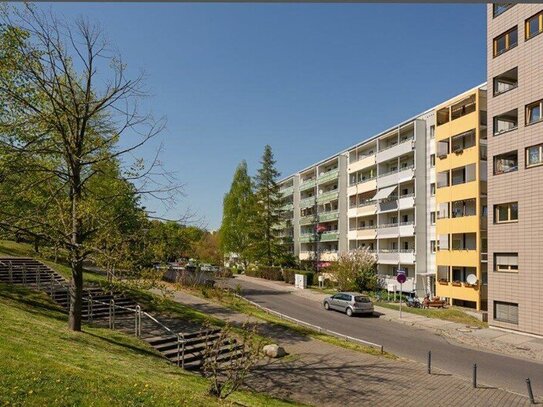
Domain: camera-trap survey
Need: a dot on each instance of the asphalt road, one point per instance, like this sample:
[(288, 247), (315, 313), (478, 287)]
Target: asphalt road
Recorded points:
[(405, 341)]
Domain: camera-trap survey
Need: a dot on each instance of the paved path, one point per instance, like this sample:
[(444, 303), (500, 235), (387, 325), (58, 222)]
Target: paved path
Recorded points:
[(412, 342), (321, 374)]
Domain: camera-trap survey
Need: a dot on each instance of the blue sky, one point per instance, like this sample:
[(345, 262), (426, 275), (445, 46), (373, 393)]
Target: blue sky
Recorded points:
[(308, 79)]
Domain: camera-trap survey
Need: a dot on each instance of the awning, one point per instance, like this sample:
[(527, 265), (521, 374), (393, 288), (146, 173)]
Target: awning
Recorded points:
[(384, 193)]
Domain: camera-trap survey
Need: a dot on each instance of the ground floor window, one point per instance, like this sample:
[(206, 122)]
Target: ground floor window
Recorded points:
[(506, 312)]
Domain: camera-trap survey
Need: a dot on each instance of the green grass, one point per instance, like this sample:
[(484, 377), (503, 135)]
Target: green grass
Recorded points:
[(236, 304), (43, 363), (448, 314)]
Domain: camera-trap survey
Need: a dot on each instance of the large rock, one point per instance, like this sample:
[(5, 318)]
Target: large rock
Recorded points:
[(274, 351)]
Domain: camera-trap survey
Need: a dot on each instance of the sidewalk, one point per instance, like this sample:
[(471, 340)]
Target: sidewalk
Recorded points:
[(488, 339), (322, 374)]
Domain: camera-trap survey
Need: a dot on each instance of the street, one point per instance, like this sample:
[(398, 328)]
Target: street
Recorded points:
[(404, 341)]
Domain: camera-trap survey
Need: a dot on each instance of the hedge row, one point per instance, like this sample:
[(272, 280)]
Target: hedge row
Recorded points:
[(275, 273)]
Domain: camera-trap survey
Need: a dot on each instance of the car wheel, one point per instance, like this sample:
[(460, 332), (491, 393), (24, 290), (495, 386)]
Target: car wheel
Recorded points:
[(326, 306), (349, 312)]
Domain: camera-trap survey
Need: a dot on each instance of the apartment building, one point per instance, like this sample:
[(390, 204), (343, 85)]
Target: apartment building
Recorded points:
[(461, 199), (375, 195), (515, 148)]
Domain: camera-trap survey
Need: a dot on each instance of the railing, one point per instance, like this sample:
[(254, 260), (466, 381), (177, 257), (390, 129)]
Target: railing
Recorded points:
[(397, 144), (327, 176), (307, 201), (360, 181), (390, 225), (326, 216), (364, 227), (327, 196), (409, 167), (311, 326), (361, 157), (307, 184), (287, 191)]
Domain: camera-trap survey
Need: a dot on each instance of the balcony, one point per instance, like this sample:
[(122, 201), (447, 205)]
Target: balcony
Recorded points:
[(361, 163), (460, 291), (287, 207), (363, 209), (463, 258), (396, 176), (392, 230), (363, 233), (307, 202), (307, 184), (328, 255), (328, 176), (394, 203), (307, 220), (329, 236), (307, 238), (397, 150), (327, 196), (287, 191), (328, 216), (395, 256), (408, 286), (369, 184)]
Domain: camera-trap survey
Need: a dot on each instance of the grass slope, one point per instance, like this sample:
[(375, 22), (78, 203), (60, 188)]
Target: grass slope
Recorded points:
[(45, 364)]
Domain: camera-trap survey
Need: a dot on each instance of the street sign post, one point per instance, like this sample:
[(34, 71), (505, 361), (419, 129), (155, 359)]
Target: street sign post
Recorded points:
[(401, 278)]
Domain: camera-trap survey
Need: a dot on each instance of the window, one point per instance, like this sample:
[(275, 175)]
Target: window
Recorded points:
[(432, 189), (506, 81), (443, 179), (405, 218), (506, 312), (463, 174), (505, 42), (505, 163), (406, 245), (534, 155), (505, 213), (463, 241), (462, 108), (433, 246), (533, 26), (433, 218), (442, 148), (432, 131), (499, 8), (463, 141), (506, 262), (505, 122), (534, 112), (463, 208), (442, 116), (432, 160)]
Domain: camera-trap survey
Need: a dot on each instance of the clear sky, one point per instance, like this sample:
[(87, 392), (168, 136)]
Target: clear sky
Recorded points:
[(308, 79)]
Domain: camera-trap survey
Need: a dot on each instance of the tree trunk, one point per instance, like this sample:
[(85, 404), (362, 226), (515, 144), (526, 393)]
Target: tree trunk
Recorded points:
[(76, 296)]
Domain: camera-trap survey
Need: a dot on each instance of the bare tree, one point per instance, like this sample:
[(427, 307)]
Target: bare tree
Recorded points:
[(66, 103), (229, 358)]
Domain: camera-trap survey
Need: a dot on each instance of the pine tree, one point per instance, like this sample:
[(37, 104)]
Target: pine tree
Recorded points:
[(238, 215), (268, 248)]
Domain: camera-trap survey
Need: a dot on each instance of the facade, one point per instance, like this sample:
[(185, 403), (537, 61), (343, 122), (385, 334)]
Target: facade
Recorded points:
[(373, 195), (461, 199), (515, 151)]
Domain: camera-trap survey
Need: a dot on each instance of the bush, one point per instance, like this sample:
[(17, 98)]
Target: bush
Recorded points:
[(266, 272), (225, 273)]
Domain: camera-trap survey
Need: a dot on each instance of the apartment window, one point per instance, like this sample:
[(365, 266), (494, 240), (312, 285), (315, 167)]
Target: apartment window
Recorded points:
[(463, 141), (506, 213), (433, 246), (506, 312), (433, 218), (506, 81), (463, 208), (463, 241), (432, 160), (533, 26), (406, 245), (534, 155), (463, 174), (506, 262), (432, 189), (443, 148), (432, 131), (443, 179), (442, 116), (405, 218), (499, 8), (505, 163), (405, 191), (534, 112), (505, 42), (505, 122)]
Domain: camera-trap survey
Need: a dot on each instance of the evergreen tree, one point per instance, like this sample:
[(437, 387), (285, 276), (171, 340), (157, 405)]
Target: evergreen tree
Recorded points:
[(268, 248), (238, 215)]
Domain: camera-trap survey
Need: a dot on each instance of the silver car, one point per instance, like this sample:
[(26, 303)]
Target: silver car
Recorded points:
[(349, 303)]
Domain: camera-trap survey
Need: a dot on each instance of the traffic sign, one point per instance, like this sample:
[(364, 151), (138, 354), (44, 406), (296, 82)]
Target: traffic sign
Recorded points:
[(400, 277)]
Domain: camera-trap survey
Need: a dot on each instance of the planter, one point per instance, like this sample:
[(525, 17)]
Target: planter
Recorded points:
[(457, 283), (443, 282)]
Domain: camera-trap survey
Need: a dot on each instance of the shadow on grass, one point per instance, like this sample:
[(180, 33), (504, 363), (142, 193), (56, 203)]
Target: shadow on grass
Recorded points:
[(30, 301)]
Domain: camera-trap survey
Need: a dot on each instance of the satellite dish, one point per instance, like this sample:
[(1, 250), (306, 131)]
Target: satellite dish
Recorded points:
[(471, 279)]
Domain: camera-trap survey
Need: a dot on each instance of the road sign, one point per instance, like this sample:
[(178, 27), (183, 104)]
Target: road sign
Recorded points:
[(400, 277)]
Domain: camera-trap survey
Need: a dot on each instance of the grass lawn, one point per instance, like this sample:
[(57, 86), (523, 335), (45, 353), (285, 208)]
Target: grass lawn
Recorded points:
[(45, 364), (448, 314)]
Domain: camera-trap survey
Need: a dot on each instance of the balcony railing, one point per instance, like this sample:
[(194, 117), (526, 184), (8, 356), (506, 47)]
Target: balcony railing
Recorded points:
[(363, 227), (287, 191), (361, 157), (327, 216), (328, 176), (361, 181), (390, 225), (329, 236), (287, 207), (307, 202), (307, 184), (409, 167), (307, 220), (397, 144), (327, 196)]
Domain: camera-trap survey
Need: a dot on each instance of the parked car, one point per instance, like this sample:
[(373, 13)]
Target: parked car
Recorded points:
[(349, 303), (209, 268)]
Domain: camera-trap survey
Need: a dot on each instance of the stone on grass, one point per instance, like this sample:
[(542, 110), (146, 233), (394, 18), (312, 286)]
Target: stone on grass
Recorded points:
[(274, 351)]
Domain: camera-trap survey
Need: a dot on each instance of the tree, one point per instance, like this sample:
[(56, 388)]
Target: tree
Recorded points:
[(66, 102), (238, 216), (207, 249), (268, 210), (355, 271)]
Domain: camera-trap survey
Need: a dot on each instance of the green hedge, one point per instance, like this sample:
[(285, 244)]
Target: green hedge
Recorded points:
[(266, 272)]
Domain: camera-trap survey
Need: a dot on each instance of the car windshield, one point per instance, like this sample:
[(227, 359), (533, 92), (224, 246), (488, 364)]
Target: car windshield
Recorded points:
[(360, 298)]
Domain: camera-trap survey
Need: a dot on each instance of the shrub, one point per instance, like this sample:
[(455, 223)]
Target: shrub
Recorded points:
[(356, 271), (266, 272)]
